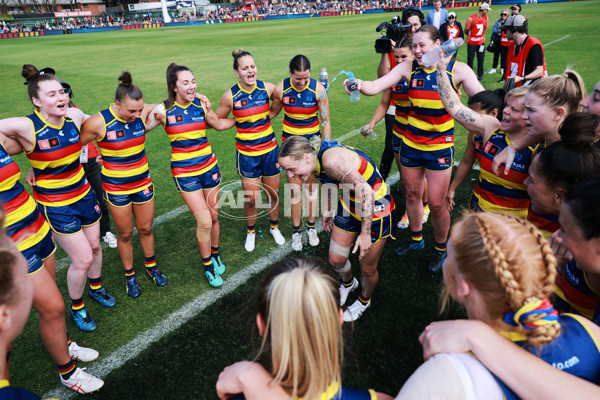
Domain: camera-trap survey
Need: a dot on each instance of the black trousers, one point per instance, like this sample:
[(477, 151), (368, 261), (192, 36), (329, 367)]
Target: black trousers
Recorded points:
[(503, 56), (387, 157), (473, 49), (93, 174)]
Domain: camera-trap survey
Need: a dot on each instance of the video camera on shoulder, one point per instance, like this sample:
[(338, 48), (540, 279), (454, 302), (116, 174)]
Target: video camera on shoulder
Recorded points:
[(394, 30)]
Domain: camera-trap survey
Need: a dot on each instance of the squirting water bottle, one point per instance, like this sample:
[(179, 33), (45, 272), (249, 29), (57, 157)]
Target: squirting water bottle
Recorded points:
[(324, 78), (451, 46), (353, 88), (368, 133)]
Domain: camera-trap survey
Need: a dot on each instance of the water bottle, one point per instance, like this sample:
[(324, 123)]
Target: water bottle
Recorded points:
[(324, 78), (451, 46), (368, 133), (353, 88)]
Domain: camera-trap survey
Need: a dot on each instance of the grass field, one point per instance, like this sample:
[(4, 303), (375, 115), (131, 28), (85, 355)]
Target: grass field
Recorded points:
[(183, 360)]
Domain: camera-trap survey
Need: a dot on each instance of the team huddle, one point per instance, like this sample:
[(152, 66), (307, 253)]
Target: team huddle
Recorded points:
[(523, 262)]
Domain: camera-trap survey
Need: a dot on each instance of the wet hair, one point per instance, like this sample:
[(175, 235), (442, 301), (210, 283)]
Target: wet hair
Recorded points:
[(172, 76), (127, 89), (7, 261), (299, 303), (299, 63), (434, 33), (411, 11), (34, 77), (509, 262), (566, 89), (297, 146), (237, 54), (516, 93), (584, 201), (405, 42), (488, 101), (573, 158)]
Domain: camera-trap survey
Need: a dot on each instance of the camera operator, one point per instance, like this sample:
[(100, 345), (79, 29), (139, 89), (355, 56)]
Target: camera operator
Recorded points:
[(414, 17)]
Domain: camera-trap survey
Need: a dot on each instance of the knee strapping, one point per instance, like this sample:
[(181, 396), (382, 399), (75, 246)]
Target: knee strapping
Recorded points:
[(345, 269), (338, 249), (204, 221)]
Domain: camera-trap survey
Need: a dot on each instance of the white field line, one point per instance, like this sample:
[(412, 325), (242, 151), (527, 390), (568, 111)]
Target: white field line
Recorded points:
[(142, 341), (557, 40)]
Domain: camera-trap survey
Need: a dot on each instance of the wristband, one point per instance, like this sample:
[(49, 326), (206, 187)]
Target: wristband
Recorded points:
[(512, 146)]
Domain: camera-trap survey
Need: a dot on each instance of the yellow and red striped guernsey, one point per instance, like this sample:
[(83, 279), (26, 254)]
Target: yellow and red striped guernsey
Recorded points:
[(300, 109), (504, 193), (430, 127), (125, 168), (60, 179), (402, 103), (251, 111), (191, 154), (24, 224)]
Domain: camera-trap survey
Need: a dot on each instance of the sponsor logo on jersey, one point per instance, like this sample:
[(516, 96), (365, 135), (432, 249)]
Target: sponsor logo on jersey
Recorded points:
[(49, 143), (443, 160), (179, 118), (172, 119), (491, 149), (418, 83)]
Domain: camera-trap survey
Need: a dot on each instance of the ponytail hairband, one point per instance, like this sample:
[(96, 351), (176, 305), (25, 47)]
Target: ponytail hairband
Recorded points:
[(519, 317)]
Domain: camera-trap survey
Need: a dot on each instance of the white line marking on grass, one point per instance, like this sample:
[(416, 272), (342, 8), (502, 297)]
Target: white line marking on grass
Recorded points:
[(131, 350), (557, 40)]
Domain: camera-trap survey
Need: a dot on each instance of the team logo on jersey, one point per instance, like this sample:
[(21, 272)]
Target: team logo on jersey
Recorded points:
[(49, 143), (491, 149)]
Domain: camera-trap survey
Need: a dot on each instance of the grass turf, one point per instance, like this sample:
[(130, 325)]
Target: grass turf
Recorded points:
[(186, 363)]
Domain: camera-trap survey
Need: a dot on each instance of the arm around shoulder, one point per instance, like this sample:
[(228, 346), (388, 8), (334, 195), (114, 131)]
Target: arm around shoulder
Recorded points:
[(92, 129)]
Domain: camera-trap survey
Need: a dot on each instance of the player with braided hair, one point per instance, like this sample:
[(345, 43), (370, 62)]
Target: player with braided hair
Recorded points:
[(502, 270)]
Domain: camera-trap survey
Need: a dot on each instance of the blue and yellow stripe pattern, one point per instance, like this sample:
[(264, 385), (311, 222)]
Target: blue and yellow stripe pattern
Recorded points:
[(60, 179), (300, 109), (430, 127), (125, 168), (251, 111), (191, 154)]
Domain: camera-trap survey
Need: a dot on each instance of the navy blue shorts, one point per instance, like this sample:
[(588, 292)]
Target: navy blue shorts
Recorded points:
[(436, 160), (68, 220), (381, 228), (396, 143), (253, 167), (36, 254), (123, 200), (208, 180)]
